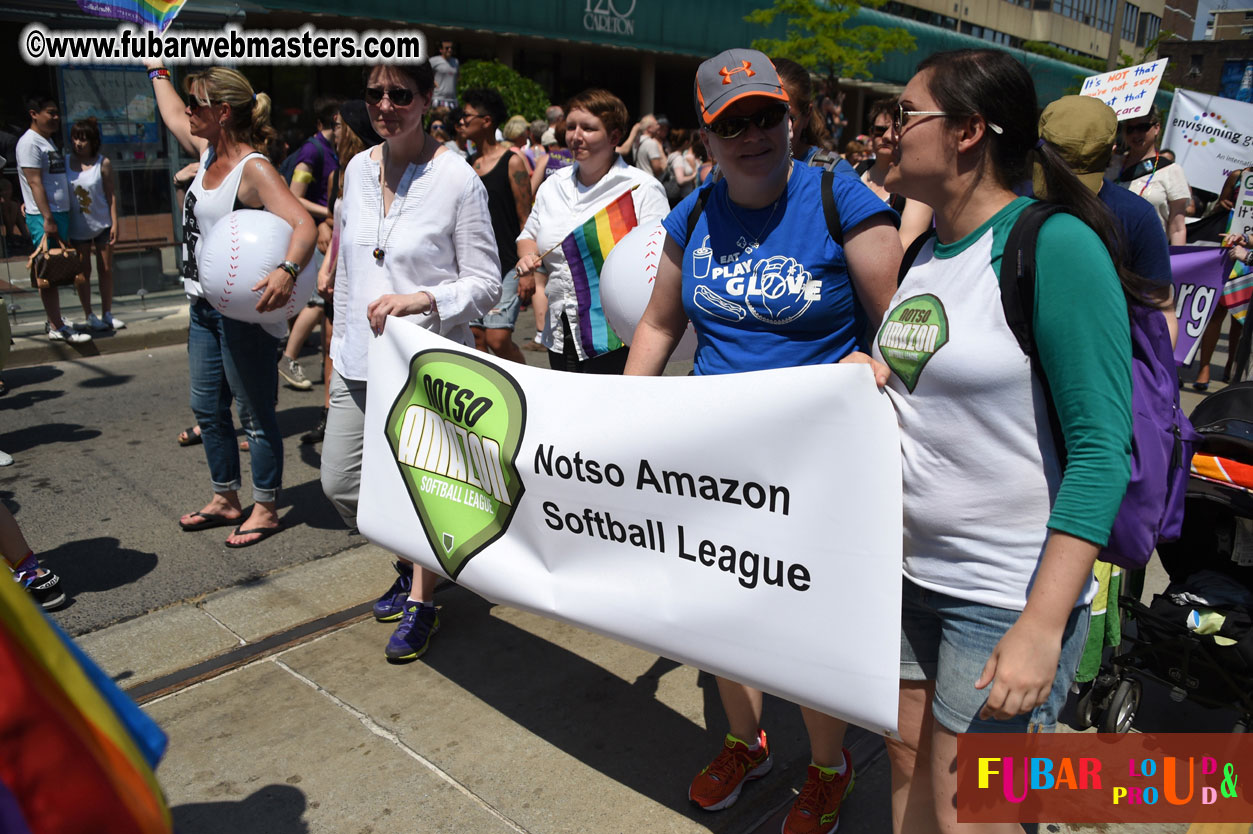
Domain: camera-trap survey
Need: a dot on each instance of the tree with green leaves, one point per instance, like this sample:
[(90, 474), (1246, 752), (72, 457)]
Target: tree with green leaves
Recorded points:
[(522, 95), (818, 37)]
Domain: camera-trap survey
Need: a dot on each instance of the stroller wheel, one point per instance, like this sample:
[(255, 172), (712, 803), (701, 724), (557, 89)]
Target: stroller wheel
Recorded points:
[(1087, 708), (1122, 707)]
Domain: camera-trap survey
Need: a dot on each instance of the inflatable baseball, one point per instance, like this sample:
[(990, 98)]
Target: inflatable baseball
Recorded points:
[(244, 247), (626, 283)]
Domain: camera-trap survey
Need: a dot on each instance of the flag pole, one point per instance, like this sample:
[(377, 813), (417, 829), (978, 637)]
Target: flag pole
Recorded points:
[(558, 243)]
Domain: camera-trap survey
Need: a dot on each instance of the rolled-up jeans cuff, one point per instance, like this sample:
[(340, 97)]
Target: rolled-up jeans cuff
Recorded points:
[(233, 486), (266, 496)]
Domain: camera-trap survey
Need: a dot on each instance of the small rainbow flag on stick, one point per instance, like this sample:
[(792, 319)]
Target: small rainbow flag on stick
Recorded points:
[(586, 249), (76, 754), (1238, 291), (156, 13)]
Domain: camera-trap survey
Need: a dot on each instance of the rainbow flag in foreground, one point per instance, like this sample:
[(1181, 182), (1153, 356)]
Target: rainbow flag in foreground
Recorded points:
[(586, 249), (76, 754), (1238, 290), (156, 13)]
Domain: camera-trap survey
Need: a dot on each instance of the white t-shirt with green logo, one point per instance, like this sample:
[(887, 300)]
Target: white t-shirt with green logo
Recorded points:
[(982, 478)]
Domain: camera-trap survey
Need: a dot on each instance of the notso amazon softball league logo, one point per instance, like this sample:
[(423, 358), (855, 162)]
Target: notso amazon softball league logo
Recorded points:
[(454, 430)]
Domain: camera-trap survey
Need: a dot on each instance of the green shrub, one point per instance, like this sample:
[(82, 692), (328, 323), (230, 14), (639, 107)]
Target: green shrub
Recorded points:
[(521, 95)]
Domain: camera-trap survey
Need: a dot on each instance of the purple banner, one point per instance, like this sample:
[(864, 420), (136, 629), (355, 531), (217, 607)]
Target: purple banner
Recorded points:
[(1198, 273)]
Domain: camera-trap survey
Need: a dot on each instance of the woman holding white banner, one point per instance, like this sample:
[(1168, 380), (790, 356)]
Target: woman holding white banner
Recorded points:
[(415, 241), (1154, 177), (793, 295), (1000, 536)]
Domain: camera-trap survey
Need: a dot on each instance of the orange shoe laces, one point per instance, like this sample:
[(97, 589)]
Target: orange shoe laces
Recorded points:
[(817, 796), (732, 763)]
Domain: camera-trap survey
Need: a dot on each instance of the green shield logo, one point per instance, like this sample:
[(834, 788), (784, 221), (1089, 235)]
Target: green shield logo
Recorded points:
[(913, 332), (455, 430)]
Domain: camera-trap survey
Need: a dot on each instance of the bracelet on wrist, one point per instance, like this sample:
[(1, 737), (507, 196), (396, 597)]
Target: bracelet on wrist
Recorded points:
[(158, 72), (291, 268)]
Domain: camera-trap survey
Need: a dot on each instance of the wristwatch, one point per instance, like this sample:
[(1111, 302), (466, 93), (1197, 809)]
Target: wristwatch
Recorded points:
[(291, 268)]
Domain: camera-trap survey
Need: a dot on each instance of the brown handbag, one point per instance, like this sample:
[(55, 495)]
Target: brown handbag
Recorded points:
[(54, 267)]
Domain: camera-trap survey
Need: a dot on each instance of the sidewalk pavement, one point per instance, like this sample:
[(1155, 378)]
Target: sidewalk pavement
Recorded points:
[(284, 717)]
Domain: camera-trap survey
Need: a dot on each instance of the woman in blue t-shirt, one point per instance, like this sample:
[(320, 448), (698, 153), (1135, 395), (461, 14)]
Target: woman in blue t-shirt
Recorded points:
[(766, 286)]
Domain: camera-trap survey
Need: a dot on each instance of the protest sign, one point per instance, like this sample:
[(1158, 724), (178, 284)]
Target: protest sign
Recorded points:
[(1242, 213), (1211, 137), (1129, 91), (1198, 272), (747, 524)]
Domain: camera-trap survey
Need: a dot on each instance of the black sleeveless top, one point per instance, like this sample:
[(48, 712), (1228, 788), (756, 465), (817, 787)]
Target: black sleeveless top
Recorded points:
[(503, 211)]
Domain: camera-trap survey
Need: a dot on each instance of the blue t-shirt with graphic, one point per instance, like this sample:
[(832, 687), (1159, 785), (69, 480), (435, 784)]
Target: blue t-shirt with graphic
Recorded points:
[(785, 302)]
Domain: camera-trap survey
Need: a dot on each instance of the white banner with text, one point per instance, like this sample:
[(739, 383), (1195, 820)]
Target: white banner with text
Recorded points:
[(748, 524), (1210, 135)]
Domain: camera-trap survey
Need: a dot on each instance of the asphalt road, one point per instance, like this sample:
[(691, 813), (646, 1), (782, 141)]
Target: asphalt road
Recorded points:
[(100, 481)]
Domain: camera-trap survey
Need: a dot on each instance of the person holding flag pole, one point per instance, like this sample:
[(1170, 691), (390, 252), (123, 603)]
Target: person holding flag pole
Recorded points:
[(580, 213)]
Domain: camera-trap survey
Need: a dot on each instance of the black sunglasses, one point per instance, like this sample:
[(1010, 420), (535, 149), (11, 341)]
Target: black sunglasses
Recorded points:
[(398, 96), (1140, 127), (194, 104), (733, 126), (879, 130)]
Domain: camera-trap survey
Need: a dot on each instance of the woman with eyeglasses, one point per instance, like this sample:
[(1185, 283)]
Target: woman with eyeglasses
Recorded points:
[(1155, 177), (915, 216), (415, 242), (225, 123), (767, 212), (1000, 535), (595, 124)]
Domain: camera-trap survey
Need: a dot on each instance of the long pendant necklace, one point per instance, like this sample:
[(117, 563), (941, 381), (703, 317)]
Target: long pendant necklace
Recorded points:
[(398, 203), (1156, 159), (754, 239)]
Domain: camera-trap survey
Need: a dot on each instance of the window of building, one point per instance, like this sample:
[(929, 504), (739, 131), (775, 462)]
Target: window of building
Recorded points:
[(1195, 67), (1130, 22), (1150, 25)]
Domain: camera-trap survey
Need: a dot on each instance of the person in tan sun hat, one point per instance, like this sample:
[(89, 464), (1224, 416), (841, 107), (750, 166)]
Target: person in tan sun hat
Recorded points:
[(1082, 130)]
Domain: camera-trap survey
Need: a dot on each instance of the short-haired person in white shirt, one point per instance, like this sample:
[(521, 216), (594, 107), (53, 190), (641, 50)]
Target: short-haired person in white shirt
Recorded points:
[(416, 242), (595, 124), (46, 195)]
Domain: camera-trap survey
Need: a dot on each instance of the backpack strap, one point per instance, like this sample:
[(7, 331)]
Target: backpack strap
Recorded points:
[(1017, 279), (698, 208), (829, 211), (911, 254)]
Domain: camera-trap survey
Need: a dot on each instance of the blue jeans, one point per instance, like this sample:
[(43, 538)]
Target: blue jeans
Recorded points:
[(234, 356)]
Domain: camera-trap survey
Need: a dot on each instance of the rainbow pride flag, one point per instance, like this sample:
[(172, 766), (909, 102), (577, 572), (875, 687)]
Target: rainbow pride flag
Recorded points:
[(586, 249), (156, 13), (1238, 291), (76, 754)]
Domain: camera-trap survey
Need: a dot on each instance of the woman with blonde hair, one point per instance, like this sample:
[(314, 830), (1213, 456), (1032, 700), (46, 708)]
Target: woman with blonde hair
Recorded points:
[(225, 123), (515, 132)]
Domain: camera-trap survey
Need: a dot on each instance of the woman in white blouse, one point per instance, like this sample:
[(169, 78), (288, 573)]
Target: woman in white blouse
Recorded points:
[(415, 241), (1154, 177), (595, 124)]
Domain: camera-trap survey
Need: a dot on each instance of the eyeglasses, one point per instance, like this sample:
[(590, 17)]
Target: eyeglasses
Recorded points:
[(194, 104), (465, 117), (878, 130), (903, 116), (398, 96), (1140, 127), (733, 126)]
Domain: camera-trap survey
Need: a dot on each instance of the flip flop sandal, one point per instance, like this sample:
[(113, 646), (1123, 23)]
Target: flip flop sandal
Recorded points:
[(190, 437), (263, 533), (208, 522)]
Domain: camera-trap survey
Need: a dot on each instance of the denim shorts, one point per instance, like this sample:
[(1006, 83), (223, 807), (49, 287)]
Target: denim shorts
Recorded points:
[(101, 239), (948, 641), (504, 315)]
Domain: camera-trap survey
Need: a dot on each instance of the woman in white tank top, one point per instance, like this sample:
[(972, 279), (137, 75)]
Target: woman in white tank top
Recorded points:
[(93, 218), (224, 122)]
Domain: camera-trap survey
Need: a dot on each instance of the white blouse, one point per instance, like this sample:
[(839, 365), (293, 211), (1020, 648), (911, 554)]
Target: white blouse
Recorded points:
[(437, 236)]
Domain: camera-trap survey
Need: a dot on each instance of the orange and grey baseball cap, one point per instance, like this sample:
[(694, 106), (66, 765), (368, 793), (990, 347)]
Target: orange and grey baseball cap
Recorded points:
[(732, 75)]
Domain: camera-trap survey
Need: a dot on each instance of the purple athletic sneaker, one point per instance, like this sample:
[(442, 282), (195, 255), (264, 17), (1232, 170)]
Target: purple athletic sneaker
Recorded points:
[(391, 605), (412, 637)]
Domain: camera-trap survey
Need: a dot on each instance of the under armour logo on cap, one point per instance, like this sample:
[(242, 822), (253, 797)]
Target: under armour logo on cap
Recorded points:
[(727, 73)]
